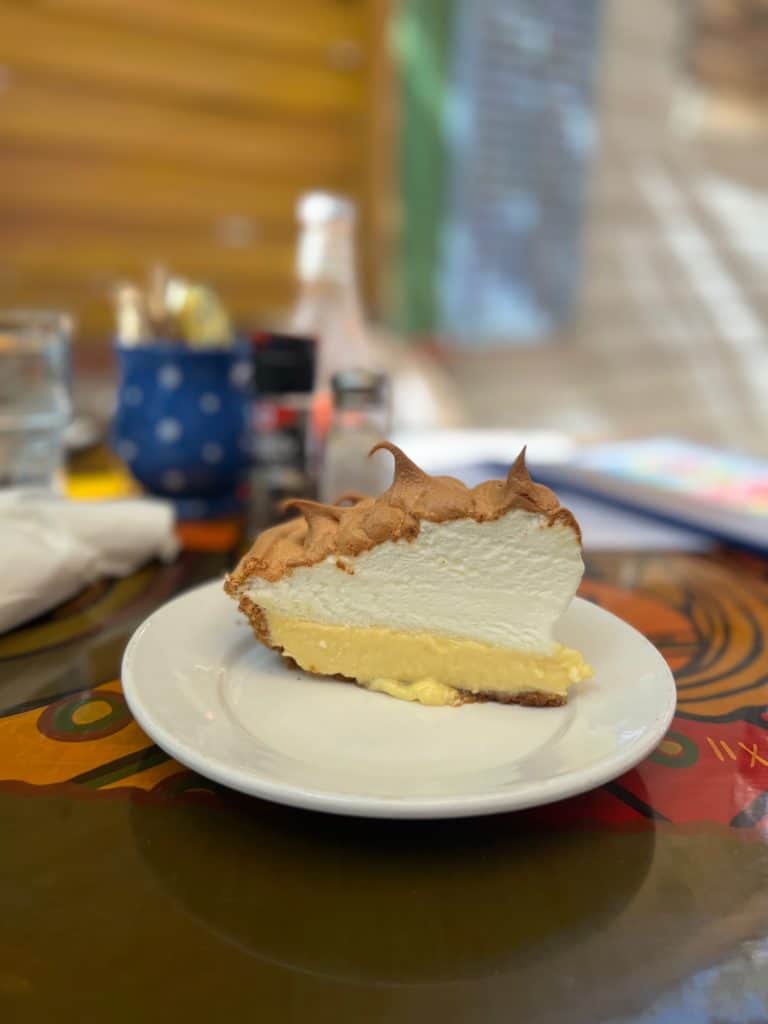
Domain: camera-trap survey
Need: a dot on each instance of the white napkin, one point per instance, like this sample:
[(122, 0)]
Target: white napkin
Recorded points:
[(50, 548)]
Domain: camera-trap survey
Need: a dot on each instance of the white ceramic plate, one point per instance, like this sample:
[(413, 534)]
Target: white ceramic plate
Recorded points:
[(208, 694)]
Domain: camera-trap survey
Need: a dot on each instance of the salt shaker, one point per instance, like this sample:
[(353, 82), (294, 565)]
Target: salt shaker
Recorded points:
[(360, 419)]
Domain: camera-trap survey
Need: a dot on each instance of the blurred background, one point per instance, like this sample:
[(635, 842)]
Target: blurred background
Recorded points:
[(562, 207)]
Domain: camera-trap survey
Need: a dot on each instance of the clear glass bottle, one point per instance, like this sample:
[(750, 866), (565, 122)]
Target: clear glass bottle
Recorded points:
[(360, 419), (328, 307)]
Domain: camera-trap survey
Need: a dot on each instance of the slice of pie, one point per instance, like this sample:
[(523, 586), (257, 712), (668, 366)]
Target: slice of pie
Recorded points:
[(433, 592)]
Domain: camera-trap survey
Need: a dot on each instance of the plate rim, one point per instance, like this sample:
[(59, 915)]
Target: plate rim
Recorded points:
[(551, 790)]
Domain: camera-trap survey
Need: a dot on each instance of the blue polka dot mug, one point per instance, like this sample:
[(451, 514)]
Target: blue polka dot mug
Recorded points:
[(181, 423)]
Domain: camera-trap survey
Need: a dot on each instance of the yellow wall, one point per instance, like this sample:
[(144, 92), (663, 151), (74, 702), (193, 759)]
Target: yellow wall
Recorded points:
[(180, 130)]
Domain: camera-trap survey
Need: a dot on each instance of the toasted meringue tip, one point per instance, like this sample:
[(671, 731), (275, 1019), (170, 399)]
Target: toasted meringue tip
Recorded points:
[(404, 467), (519, 470), (310, 509)]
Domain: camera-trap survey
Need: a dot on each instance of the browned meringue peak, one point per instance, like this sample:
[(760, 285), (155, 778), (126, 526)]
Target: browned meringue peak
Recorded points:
[(435, 498), (322, 527), (323, 530), (494, 497)]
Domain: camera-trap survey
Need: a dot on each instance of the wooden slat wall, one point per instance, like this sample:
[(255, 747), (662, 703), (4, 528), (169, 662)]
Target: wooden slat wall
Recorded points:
[(180, 130)]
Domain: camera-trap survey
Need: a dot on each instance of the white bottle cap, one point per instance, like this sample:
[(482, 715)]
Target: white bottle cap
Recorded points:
[(326, 247), (315, 208)]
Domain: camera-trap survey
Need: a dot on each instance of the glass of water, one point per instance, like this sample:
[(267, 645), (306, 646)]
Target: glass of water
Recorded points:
[(35, 404)]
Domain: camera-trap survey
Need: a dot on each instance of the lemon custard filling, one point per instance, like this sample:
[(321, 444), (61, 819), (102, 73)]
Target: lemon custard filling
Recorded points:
[(424, 667)]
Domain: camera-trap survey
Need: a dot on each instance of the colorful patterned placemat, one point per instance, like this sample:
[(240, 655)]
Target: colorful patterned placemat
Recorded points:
[(708, 620)]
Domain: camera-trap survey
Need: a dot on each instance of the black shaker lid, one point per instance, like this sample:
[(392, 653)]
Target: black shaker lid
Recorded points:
[(283, 363)]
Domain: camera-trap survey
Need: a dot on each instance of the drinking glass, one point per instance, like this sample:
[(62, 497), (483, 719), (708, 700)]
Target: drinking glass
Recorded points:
[(35, 404)]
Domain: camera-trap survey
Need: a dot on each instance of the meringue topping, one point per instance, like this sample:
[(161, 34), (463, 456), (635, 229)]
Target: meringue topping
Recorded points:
[(356, 524)]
